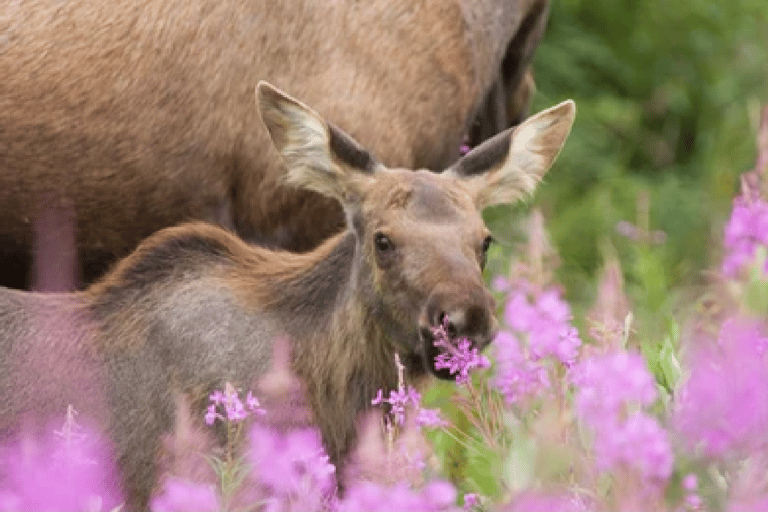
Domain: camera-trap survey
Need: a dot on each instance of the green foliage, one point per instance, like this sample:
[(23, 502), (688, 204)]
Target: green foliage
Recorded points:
[(667, 93)]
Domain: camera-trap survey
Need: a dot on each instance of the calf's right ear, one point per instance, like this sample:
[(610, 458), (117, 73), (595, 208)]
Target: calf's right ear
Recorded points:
[(318, 155), (509, 165)]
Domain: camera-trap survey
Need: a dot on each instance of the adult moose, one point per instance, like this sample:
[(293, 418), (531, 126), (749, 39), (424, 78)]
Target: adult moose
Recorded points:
[(194, 305), (127, 116)]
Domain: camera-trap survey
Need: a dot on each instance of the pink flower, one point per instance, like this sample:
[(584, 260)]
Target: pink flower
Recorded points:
[(429, 418), (722, 406), (182, 496), (544, 322), (253, 405), (233, 407), (292, 468), (639, 442), (550, 502), (399, 400), (607, 383), (746, 229), (403, 398), (471, 500), (608, 388), (211, 415), (436, 496), (459, 360), (516, 376), (459, 356), (55, 472)]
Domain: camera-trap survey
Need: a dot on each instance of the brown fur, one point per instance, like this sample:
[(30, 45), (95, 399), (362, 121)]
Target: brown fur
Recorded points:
[(138, 114), (194, 306)]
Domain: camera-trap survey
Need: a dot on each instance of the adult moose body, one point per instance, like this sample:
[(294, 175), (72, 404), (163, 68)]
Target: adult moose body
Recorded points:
[(128, 116), (194, 305)]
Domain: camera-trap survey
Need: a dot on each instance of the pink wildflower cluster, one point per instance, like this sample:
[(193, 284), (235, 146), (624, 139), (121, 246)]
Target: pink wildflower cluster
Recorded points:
[(435, 496), (459, 356), (538, 328), (291, 469), (722, 408), (746, 230), (516, 375), (690, 486), (611, 391), (234, 409), (404, 397), (399, 400), (182, 496), (549, 502), (68, 469), (544, 320)]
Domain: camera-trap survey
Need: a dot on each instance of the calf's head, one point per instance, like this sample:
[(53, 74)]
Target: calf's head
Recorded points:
[(420, 239)]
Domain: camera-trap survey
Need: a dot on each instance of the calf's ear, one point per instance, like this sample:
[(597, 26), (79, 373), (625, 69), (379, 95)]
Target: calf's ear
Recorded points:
[(318, 156), (509, 165)]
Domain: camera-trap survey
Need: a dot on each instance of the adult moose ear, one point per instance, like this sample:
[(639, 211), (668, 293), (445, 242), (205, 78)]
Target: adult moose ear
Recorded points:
[(318, 156), (509, 165)]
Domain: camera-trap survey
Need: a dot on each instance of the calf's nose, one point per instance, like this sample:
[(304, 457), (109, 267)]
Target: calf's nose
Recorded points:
[(463, 312)]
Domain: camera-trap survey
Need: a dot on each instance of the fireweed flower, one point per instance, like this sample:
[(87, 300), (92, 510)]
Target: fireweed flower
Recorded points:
[(471, 500), (550, 502), (54, 472), (690, 485), (608, 384), (292, 468), (233, 407), (611, 390), (516, 376), (459, 357), (722, 408), (181, 496), (401, 399), (544, 321), (746, 229), (398, 400), (429, 418), (638, 442), (436, 496)]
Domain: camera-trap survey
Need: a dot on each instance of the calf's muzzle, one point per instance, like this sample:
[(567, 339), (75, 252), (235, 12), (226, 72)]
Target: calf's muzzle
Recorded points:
[(464, 311)]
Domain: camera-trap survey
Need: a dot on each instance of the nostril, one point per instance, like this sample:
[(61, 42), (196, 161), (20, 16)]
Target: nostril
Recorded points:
[(450, 328), (477, 319), (446, 322), (452, 323)]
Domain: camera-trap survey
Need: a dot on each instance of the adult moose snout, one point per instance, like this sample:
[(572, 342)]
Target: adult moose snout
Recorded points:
[(462, 310)]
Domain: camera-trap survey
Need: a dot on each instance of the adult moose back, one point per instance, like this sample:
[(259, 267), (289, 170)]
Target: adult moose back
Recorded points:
[(194, 305), (132, 115)]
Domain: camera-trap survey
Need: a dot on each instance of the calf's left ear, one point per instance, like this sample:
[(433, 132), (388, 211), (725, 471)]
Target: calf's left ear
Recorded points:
[(318, 156), (509, 165)]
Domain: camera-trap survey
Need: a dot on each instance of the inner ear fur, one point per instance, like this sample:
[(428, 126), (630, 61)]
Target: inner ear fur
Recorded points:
[(318, 156), (509, 165)]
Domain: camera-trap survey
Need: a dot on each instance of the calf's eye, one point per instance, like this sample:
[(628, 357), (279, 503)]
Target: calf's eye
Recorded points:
[(487, 243)]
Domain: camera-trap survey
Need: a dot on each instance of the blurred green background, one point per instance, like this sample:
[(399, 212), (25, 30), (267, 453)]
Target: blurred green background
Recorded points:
[(668, 96)]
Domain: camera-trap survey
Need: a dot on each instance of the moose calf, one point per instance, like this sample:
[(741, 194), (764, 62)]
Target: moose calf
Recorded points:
[(194, 306)]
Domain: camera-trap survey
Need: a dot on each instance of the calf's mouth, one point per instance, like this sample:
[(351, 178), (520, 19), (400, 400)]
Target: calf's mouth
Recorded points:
[(449, 357)]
